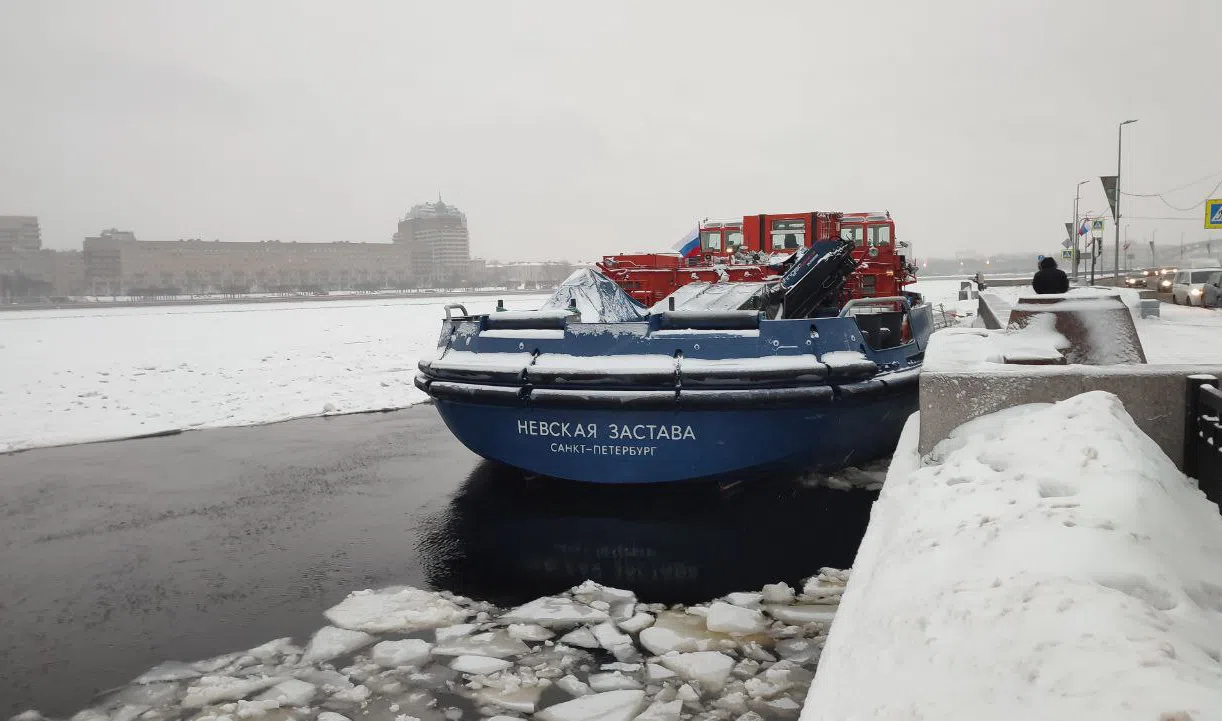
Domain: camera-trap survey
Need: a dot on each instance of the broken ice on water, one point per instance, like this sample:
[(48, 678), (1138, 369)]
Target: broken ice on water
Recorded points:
[(594, 653)]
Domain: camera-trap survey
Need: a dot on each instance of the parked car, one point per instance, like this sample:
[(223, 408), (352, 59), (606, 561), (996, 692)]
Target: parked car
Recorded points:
[(1189, 285), (1211, 297)]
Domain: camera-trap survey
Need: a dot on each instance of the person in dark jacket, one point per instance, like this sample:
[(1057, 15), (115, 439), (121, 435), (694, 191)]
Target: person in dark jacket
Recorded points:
[(1049, 278)]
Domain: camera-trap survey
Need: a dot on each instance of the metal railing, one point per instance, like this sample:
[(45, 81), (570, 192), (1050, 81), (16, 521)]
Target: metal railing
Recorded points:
[(1203, 435), (881, 300)]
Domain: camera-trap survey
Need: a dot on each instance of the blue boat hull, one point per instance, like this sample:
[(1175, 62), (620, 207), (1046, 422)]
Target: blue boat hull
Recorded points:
[(664, 445), (679, 395)]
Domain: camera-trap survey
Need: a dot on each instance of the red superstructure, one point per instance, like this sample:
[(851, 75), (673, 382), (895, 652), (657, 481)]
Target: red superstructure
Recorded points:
[(751, 249)]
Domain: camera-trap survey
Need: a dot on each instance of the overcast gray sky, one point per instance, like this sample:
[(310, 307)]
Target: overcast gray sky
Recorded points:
[(571, 129)]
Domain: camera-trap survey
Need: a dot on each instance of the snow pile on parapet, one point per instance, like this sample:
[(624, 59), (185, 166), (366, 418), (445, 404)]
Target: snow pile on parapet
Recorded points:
[(592, 654), (597, 297), (1044, 562)]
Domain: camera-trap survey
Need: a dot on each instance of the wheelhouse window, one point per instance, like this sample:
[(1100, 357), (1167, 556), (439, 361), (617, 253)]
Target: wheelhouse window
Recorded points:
[(734, 239), (788, 234), (880, 236), (710, 240), (857, 234)]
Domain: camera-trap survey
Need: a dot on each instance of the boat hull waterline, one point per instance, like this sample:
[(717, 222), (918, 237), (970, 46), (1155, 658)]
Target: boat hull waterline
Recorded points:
[(655, 446)]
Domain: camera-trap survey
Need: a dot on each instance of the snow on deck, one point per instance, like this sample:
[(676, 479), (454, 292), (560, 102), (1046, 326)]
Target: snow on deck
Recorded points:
[(1044, 562), (68, 376)]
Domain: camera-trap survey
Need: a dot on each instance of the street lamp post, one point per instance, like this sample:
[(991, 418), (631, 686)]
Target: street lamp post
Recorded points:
[(1077, 196), (1116, 248)]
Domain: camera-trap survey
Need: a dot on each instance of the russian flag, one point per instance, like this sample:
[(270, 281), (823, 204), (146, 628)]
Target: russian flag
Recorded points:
[(1085, 228), (690, 245)]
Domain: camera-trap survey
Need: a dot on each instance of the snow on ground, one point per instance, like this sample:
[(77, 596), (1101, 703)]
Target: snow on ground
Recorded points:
[(617, 660), (1044, 562), (68, 376), (1180, 335)]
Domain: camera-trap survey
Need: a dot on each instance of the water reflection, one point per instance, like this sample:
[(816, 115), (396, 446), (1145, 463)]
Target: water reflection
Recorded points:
[(507, 538)]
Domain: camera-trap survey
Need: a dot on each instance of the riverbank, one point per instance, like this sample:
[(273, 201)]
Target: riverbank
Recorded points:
[(99, 302)]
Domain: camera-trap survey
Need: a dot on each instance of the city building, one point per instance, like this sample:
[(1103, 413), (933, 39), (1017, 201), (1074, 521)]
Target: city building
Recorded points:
[(431, 249), (20, 232), (40, 273), (116, 263), (529, 275), (440, 246), (29, 271)]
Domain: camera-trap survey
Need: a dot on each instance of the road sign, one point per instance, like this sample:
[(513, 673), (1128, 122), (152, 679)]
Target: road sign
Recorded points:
[(1096, 229), (1039, 257), (1213, 213), (1066, 243), (1066, 255), (1109, 189)]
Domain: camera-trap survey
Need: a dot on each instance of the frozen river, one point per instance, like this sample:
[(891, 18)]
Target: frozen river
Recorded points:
[(68, 376)]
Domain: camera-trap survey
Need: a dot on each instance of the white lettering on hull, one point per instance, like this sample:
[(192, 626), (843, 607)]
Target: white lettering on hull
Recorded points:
[(558, 429), (612, 431), (603, 450)]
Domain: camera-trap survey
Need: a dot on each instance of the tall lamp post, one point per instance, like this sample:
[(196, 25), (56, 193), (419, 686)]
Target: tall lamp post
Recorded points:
[(1077, 196), (1116, 248)]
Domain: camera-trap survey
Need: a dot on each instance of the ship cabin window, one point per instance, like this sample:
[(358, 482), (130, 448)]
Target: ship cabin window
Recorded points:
[(788, 234), (880, 236), (710, 240), (869, 285), (734, 240), (855, 233)]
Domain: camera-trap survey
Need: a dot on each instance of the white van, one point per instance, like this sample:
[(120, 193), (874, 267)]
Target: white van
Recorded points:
[(1189, 285)]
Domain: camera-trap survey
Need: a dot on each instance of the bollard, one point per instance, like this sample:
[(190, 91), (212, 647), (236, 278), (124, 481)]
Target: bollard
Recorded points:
[(500, 305), (1192, 438)]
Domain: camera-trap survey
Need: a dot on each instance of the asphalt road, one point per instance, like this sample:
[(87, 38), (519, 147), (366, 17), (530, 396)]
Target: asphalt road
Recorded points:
[(117, 556)]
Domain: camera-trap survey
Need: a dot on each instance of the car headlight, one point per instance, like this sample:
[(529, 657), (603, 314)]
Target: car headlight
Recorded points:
[(1195, 291), (1166, 283)]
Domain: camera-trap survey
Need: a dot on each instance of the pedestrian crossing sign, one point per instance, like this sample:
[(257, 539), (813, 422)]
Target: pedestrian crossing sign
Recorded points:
[(1213, 213), (1066, 255)]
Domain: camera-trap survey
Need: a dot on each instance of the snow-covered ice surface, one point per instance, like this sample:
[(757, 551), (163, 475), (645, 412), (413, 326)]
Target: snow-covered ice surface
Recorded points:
[(626, 660), (1044, 562), (68, 376)]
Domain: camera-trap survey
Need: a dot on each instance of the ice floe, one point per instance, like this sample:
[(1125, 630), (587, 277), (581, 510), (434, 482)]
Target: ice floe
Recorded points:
[(329, 642), (402, 609), (479, 665), (408, 652), (608, 706), (729, 618), (709, 668), (616, 659)]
